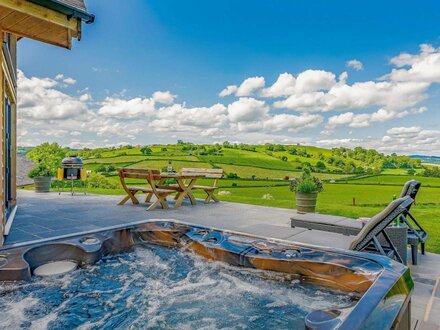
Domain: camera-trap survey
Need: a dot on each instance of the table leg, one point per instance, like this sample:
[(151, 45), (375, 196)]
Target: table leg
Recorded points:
[(185, 192), (189, 193), (181, 194)]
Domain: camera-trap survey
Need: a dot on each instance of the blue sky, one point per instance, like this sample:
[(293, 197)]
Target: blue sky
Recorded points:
[(194, 49)]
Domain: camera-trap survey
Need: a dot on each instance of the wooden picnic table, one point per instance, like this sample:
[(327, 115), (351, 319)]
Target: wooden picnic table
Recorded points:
[(184, 185)]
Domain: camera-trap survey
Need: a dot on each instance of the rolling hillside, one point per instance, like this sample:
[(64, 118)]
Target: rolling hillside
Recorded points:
[(259, 174), (251, 161)]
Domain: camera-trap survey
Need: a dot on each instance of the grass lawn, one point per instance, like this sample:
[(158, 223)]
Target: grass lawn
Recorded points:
[(115, 160), (400, 171), (396, 180), (137, 158), (249, 158), (264, 173), (177, 164), (336, 199)]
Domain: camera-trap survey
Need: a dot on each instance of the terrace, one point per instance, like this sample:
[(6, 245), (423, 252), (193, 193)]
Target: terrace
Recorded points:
[(50, 216)]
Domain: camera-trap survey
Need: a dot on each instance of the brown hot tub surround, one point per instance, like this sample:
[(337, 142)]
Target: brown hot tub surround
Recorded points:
[(380, 287)]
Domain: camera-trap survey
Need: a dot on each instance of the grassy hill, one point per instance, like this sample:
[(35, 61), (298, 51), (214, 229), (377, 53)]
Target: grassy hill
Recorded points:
[(254, 161), (258, 174)]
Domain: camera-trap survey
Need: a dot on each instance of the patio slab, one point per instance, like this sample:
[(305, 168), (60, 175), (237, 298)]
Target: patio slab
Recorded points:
[(41, 216)]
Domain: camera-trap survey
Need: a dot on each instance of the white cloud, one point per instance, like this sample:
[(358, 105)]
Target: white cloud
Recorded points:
[(247, 87), (85, 97), (250, 85), (110, 128), (180, 118), (314, 80), (39, 99), (116, 107), (311, 102), (69, 81), (413, 139), (247, 109), (291, 122), (366, 119), (404, 131), (229, 90), (392, 95), (423, 67), (164, 97), (284, 86), (258, 114), (355, 64)]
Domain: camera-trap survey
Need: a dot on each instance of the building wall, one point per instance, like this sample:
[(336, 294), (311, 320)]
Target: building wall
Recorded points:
[(7, 88)]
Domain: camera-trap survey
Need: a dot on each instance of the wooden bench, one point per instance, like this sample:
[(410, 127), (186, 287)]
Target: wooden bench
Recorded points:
[(151, 188), (209, 173)]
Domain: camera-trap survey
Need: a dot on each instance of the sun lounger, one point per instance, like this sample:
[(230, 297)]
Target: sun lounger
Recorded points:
[(369, 238), (416, 234)]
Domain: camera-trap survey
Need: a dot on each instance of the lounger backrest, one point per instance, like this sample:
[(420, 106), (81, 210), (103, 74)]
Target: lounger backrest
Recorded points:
[(410, 189), (379, 222)]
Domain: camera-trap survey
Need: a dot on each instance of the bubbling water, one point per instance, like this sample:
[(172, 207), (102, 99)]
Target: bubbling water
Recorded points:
[(157, 288)]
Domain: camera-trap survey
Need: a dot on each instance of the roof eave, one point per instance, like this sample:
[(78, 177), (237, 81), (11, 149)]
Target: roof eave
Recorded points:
[(69, 11)]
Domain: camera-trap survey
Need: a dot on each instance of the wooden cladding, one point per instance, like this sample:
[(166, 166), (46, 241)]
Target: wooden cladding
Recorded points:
[(26, 19)]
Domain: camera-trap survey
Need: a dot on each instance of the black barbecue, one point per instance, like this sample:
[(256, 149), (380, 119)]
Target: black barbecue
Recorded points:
[(71, 170), (72, 166)]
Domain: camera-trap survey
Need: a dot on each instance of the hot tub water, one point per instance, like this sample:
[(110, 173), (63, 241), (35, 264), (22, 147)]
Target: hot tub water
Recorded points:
[(158, 288)]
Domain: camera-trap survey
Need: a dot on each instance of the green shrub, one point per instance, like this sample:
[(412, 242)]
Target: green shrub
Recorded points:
[(96, 180), (232, 175), (146, 151)]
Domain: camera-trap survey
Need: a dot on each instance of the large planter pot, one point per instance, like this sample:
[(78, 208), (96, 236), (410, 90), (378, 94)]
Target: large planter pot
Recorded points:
[(42, 184), (306, 202)]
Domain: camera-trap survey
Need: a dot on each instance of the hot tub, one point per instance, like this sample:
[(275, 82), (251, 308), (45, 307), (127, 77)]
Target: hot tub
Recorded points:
[(155, 275)]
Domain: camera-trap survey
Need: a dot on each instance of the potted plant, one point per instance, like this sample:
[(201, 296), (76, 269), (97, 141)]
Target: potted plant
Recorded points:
[(46, 157), (306, 189)]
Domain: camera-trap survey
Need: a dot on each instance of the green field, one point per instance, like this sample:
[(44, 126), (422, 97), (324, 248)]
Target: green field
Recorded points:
[(249, 158), (259, 171), (396, 180), (336, 199)]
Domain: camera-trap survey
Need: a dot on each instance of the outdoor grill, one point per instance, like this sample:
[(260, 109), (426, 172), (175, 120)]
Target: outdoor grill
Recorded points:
[(72, 166), (72, 169)]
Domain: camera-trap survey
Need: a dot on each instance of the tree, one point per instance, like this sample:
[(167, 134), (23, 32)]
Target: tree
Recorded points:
[(411, 171), (47, 157), (433, 171), (146, 151), (320, 165)]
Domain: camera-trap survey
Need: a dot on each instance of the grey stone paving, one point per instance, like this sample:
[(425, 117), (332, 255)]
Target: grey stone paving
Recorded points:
[(49, 215)]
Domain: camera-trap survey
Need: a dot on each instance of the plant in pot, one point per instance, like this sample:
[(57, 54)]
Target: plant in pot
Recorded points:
[(306, 189), (46, 157)]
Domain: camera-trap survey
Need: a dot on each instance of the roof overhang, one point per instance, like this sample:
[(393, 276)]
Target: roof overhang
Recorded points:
[(43, 20)]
